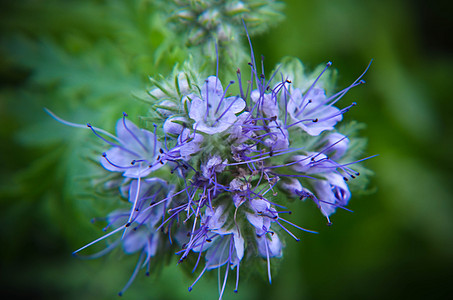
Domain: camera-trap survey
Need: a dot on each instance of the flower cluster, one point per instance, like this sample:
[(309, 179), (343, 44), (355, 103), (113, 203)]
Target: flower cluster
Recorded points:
[(213, 177), (220, 20)]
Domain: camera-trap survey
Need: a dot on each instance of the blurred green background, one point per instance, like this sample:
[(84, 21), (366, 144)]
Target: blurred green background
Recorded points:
[(83, 59)]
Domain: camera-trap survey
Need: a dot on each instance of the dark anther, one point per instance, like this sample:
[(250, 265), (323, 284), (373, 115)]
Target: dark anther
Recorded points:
[(262, 76), (274, 118), (128, 224), (288, 81), (133, 162), (208, 240), (124, 114), (238, 71), (104, 154), (231, 81), (315, 120), (345, 179), (88, 125), (161, 151), (250, 64)]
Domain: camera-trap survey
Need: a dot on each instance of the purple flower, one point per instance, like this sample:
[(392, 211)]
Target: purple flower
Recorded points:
[(311, 112), (222, 242), (332, 192), (331, 189), (135, 153), (150, 199), (277, 136), (141, 237), (268, 242), (267, 103), (212, 166), (213, 113)]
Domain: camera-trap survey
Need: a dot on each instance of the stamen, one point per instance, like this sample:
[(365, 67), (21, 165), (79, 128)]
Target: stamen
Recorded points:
[(298, 227), (237, 278), (134, 205), (134, 274), (155, 140), (223, 96), (268, 261), (58, 119), (133, 135), (198, 278), (108, 142), (97, 240), (104, 155), (226, 110), (314, 82)]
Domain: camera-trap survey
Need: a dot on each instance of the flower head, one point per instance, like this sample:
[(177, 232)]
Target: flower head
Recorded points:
[(213, 177)]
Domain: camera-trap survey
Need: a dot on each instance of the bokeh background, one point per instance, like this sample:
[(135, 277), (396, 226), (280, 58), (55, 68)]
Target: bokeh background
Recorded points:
[(85, 59)]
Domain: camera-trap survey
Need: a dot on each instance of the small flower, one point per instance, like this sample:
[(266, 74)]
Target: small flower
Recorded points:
[(311, 112), (267, 103), (212, 166), (135, 153), (331, 189), (213, 113), (223, 245), (150, 199), (332, 192)]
